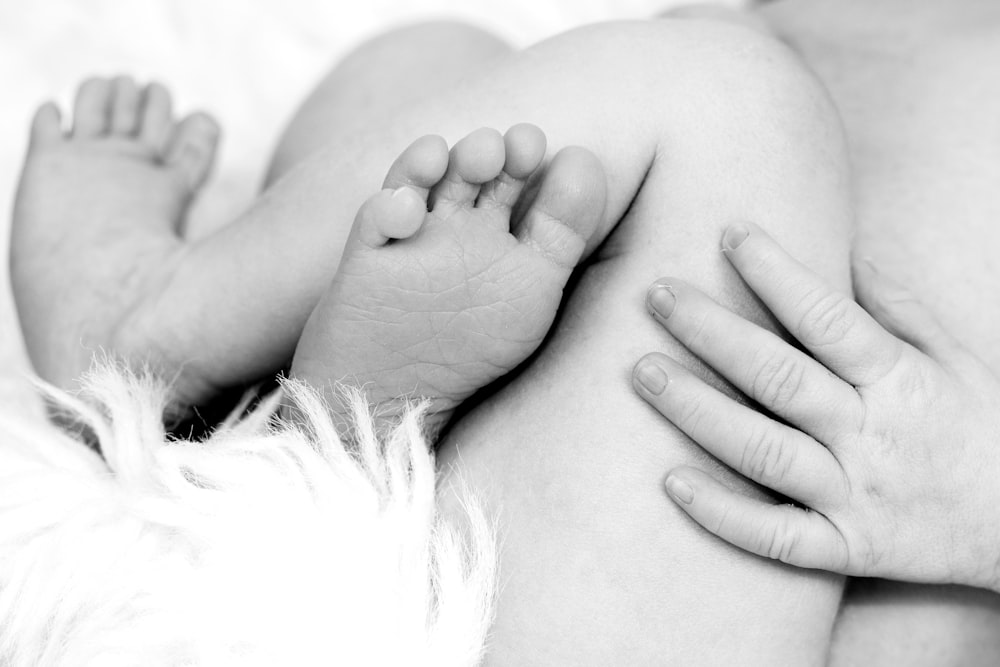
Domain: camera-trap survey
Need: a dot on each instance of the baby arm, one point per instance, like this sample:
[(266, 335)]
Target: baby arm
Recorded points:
[(888, 435)]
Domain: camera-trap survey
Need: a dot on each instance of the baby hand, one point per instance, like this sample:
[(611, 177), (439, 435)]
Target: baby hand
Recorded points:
[(890, 435)]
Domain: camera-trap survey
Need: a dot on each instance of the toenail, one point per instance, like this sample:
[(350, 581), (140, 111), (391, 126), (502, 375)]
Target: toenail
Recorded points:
[(406, 192), (660, 300), (679, 490), (651, 377), (734, 237)]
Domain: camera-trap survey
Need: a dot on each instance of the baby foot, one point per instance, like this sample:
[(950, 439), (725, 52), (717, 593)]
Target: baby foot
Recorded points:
[(439, 304), (96, 220)]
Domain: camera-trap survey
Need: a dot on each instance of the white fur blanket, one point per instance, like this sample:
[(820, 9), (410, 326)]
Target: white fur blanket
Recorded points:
[(268, 544)]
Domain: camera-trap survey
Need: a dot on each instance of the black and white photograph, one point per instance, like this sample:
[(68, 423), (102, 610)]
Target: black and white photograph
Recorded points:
[(528, 333)]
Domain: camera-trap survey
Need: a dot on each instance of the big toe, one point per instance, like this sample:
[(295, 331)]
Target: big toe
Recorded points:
[(192, 148), (568, 208)]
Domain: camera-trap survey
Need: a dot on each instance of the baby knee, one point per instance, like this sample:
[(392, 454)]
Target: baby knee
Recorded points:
[(715, 74), (442, 35), (750, 81)]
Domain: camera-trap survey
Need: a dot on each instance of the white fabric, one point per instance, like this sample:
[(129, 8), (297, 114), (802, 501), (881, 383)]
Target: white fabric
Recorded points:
[(268, 544)]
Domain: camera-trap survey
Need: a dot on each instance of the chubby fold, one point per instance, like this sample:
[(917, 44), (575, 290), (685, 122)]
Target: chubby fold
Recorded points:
[(269, 543)]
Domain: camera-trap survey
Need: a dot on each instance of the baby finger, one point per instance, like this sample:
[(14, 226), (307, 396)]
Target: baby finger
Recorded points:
[(835, 329), (783, 532), (759, 363), (769, 453)]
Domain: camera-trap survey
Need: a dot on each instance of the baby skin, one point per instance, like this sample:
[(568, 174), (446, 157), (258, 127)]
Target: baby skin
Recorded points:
[(889, 431), (96, 225), (451, 278), (439, 293)]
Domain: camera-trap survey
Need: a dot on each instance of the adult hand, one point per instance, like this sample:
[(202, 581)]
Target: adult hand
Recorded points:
[(889, 442)]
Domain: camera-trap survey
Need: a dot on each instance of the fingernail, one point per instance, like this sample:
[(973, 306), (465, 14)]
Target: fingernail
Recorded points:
[(651, 377), (660, 300), (680, 490), (404, 191), (734, 237)]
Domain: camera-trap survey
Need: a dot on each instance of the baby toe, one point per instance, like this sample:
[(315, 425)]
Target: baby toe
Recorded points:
[(524, 148), (126, 98), (420, 166), (155, 117), (563, 217), (92, 108), (476, 159), (524, 145), (192, 148), (389, 215), (46, 126)]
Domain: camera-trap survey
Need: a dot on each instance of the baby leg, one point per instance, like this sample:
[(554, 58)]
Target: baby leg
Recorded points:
[(379, 79), (289, 243), (713, 123), (598, 567), (917, 107)]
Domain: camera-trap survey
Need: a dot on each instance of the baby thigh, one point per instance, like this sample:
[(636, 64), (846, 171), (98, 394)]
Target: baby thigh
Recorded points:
[(380, 77), (598, 567)]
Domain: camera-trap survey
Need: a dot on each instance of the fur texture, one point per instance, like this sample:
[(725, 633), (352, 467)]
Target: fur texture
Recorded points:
[(268, 544)]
